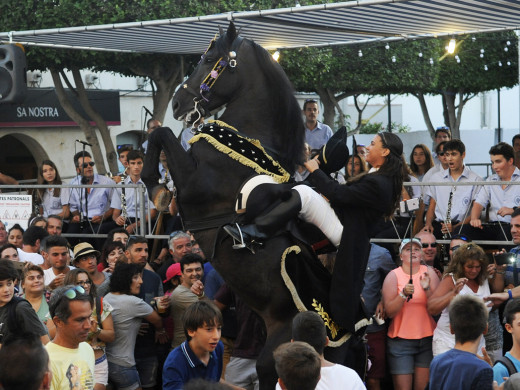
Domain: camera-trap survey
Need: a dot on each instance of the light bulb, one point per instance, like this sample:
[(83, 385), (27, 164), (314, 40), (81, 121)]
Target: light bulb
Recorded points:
[(393, 59), (420, 55), (485, 67), (506, 48), (451, 46), (431, 61), (499, 63), (387, 46), (360, 53), (276, 55)]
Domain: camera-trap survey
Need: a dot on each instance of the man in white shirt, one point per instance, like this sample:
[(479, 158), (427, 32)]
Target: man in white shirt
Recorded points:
[(32, 239), (56, 253), (310, 328)]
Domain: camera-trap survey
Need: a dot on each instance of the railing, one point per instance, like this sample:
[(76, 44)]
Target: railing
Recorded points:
[(139, 192)]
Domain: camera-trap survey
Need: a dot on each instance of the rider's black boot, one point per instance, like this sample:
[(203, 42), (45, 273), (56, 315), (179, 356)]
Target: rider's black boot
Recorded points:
[(267, 224)]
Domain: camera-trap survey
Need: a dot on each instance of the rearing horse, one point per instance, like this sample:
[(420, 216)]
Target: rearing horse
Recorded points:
[(240, 75)]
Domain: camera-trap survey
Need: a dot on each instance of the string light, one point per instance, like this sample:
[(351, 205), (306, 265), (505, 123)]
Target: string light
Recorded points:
[(276, 55), (508, 63), (393, 59), (458, 59), (451, 46), (506, 48), (485, 67), (508, 43), (360, 53), (420, 55), (387, 46), (431, 61), (499, 63)]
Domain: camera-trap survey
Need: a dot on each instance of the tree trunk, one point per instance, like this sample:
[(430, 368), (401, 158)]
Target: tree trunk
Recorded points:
[(360, 112), (165, 78), (89, 131), (98, 119), (450, 109), (425, 113), (329, 110)]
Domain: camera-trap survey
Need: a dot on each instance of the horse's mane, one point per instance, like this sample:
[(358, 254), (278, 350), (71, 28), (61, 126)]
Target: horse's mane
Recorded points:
[(287, 112), (284, 106)]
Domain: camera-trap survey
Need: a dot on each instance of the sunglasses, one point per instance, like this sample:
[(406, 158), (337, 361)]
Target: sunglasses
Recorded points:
[(130, 241), (90, 163), (84, 283), (429, 245), (311, 101), (460, 237), (455, 248), (440, 154), (72, 293)]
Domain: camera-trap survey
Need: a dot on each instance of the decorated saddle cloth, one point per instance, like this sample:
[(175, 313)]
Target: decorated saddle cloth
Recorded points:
[(247, 151), (309, 282)]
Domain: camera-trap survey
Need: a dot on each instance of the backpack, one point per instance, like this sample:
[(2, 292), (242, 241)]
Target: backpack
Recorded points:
[(511, 369)]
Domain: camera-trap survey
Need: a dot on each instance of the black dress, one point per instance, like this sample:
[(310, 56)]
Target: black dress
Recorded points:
[(359, 205)]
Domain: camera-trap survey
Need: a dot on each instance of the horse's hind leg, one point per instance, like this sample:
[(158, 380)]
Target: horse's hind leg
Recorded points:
[(278, 334)]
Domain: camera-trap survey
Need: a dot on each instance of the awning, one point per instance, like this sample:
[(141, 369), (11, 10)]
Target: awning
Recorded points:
[(354, 22)]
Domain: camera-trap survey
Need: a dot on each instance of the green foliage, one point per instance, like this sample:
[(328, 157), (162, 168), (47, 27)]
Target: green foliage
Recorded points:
[(376, 127)]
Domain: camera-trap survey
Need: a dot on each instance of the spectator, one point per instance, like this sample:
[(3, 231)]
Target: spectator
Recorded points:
[(16, 314), (200, 356), (467, 273), (129, 310), (9, 251), (109, 255), (360, 166), (512, 357), (316, 133), (89, 207), (249, 340), (54, 225), (145, 348), (16, 236), (308, 327), (298, 366), (380, 263), (445, 202), (34, 292), (501, 199), (151, 125), (429, 247), (102, 328), (442, 134), (122, 153), (39, 221), (86, 257), (3, 234), (409, 347), (459, 368), (516, 146), (421, 161), (30, 250), (52, 201), (183, 296), (457, 240), (128, 217), (72, 359), (19, 354), (118, 234), (56, 254), (301, 172), (180, 244)]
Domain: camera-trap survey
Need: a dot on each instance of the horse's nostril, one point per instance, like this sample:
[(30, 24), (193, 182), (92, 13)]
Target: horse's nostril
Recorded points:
[(175, 106)]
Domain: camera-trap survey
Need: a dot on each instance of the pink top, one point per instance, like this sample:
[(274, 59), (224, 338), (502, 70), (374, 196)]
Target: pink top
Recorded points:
[(413, 321)]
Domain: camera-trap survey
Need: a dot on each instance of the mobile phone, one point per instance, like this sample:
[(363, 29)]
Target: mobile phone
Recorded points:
[(504, 258)]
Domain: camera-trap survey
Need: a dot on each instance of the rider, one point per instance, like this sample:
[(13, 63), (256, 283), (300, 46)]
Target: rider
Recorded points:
[(346, 221)]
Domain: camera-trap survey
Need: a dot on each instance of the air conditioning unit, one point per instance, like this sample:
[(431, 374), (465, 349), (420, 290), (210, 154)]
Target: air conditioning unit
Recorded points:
[(140, 82), (34, 79), (90, 79)]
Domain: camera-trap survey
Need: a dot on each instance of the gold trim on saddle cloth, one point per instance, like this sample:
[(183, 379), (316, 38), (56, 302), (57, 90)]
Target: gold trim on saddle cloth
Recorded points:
[(258, 160), (333, 327)]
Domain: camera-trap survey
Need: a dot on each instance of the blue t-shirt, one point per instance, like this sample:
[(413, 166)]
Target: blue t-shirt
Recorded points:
[(182, 365), (500, 371), (459, 370)]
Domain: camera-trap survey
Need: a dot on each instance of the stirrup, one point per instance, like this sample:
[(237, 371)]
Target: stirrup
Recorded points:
[(238, 243)]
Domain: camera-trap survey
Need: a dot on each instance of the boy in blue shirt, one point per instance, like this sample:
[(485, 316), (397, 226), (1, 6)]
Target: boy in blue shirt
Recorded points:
[(460, 368), (200, 356), (512, 318)]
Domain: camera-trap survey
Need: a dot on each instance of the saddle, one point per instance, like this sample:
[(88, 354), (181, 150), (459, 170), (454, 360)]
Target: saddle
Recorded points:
[(265, 196)]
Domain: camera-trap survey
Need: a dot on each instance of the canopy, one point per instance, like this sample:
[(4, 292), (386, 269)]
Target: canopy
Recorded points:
[(353, 22)]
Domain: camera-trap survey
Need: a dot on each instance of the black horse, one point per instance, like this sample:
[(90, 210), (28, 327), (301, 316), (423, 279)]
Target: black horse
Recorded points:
[(239, 74)]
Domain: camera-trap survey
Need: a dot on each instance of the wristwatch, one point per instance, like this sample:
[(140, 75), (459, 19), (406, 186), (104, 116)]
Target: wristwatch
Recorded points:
[(402, 295)]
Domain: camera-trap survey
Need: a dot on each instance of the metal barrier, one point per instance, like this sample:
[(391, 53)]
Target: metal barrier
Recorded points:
[(140, 191)]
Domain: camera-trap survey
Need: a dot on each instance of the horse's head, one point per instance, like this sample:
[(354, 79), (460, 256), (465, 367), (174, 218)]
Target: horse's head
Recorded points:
[(197, 96)]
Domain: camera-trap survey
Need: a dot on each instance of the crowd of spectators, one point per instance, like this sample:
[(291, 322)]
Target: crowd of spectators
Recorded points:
[(111, 315)]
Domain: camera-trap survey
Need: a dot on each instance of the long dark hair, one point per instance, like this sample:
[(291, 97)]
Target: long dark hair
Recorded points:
[(392, 167), (72, 275), (41, 180), (428, 156)]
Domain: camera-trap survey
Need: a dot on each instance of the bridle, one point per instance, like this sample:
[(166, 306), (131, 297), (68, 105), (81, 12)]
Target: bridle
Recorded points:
[(202, 96)]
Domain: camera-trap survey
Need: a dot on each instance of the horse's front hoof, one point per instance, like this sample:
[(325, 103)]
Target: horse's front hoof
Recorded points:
[(161, 198)]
